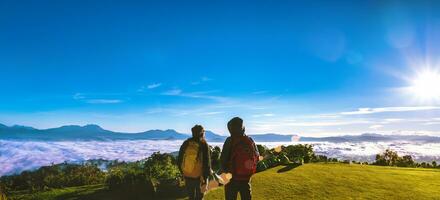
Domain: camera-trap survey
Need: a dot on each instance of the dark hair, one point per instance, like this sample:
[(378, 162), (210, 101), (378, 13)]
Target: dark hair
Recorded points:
[(235, 126), (198, 132)]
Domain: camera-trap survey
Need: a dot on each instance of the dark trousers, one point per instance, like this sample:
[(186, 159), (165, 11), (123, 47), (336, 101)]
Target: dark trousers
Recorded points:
[(234, 187), (193, 188)]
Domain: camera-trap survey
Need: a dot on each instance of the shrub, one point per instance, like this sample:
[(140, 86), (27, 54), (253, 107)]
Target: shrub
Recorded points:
[(300, 152), (261, 166), (131, 181), (162, 167), (215, 157), (55, 176), (263, 150), (320, 158)]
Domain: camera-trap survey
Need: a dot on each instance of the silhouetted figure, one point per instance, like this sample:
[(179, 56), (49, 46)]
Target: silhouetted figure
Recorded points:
[(239, 157), (194, 162)]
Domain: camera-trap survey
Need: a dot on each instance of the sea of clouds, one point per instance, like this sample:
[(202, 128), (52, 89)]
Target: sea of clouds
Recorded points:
[(17, 156)]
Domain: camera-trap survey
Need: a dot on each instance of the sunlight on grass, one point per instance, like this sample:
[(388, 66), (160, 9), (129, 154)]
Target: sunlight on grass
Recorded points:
[(343, 181)]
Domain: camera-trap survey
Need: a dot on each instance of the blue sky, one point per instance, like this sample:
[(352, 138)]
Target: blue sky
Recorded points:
[(316, 68)]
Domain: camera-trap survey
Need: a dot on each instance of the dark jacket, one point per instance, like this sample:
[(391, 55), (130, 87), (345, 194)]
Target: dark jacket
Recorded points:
[(205, 153), (225, 157)]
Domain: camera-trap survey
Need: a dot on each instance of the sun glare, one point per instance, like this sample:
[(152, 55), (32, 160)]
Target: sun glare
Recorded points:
[(426, 85)]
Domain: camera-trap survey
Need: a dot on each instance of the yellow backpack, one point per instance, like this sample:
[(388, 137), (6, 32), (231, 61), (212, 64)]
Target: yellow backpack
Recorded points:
[(192, 161)]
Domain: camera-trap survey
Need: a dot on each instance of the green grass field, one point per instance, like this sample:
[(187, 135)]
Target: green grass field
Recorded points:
[(343, 181), (310, 181)]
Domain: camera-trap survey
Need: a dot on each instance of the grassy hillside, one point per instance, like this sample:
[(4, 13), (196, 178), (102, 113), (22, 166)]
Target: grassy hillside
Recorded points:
[(343, 181), (310, 181)]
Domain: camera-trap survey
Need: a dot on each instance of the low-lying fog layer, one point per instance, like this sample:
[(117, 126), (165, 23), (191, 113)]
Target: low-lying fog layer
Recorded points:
[(16, 156)]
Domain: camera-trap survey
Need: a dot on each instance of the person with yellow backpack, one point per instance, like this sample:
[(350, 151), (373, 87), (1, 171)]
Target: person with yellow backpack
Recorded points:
[(194, 162)]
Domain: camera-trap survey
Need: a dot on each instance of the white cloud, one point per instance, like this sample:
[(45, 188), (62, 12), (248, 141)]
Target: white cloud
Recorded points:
[(329, 123), (211, 113), (83, 98), (173, 92), (202, 79), (154, 85), (363, 111), (26, 155), (432, 123), (104, 101), (78, 96), (260, 92), (149, 87), (263, 115), (377, 126), (197, 95), (206, 79), (295, 123), (393, 120)]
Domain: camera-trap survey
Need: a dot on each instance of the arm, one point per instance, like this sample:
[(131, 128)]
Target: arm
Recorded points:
[(225, 155), (206, 161), (257, 153), (180, 157)]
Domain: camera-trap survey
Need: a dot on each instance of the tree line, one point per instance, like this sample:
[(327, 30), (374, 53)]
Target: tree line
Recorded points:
[(391, 158)]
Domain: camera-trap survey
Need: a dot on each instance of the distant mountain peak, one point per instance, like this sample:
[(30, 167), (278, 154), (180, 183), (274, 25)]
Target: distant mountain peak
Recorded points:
[(370, 134), (77, 127), (3, 126), (23, 127), (68, 126), (93, 126)]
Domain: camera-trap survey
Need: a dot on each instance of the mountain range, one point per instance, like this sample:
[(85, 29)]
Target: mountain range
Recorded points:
[(95, 132)]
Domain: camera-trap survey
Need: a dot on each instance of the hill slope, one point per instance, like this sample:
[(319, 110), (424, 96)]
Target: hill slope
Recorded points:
[(343, 181), (310, 181)]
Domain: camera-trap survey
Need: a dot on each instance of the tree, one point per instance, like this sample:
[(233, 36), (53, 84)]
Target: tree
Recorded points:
[(405, 161), (320, 158), (131, 180), (263, 150), (299, 152), (162, 166), (163, 169), (215, 157), (388, 158)]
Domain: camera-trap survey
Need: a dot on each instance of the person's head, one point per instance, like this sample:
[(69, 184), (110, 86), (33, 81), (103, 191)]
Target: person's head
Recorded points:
[(235, 126), (198, 132)]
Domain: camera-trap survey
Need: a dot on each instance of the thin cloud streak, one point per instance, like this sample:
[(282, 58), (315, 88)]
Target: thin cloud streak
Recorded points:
[(104, 101), (173, 92), (196, 95), (365, 111), (154, 85), (263, 115), (82, 98), (202, 79)]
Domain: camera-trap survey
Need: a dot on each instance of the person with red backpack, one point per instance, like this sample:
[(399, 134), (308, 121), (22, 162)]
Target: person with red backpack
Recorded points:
[(239, 157), (194, 162)]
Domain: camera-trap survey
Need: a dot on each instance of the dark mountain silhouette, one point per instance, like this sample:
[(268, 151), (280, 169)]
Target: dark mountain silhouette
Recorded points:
[(210, 136), (95, 132), (88, 132)]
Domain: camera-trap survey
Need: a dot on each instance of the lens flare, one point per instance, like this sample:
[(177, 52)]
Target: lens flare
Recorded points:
[(426, 85)]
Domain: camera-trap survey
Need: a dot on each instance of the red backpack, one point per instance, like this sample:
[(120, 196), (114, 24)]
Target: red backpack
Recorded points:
[(244, 158)]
